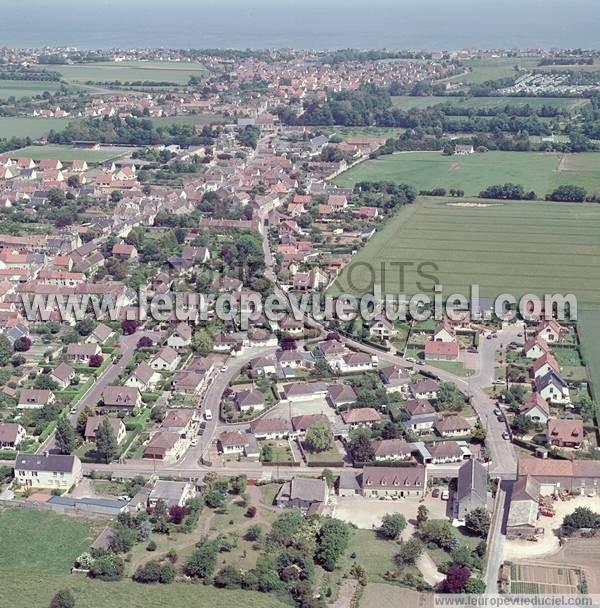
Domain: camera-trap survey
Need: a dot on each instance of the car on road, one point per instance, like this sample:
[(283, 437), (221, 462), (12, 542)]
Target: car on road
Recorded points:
[(520, 335), (506, 435), (497, 412), (445, 495), (224, 368), (117, 358), (73, 410), (435, 492), (419, 362), (124, 497), (194, 442), (499, 381), (208, 414), (411, 359), (472, 349)]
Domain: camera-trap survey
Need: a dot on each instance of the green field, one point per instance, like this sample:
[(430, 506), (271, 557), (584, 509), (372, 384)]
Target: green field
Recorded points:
[(537, 171), (30, 127), (69, 153), (492, 69), (589, 330), (37, 550), (26, 88), (505, 247), (131, 71), (406, 102), (188, 119)]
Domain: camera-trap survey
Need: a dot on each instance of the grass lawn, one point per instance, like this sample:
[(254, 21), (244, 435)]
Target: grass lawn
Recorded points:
[(504, 247), (329, 456), (406, 102), (131, 71), (537, 171), (188, 119), (481, 70), (589, 326), (37, 589), (25, 126), (345, 132), (70, 153), (281, 453), (454, 367), (42, 542), (268, 492), (26, 88)]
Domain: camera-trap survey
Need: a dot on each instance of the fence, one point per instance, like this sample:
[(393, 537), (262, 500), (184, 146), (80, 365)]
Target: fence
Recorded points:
[(56, 508)]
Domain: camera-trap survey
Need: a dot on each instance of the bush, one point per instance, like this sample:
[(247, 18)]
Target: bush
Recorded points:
[(392, 525), (151, 546), (63, 599)]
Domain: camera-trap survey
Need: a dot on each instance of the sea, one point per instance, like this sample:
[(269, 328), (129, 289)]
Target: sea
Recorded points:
[(302, 24)]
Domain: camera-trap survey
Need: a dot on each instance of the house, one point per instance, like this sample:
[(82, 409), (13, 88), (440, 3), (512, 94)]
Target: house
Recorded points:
[(472, 488), (535, 348), (394, 379), (181, 337), (62, 374), (545, 364), (564, 433), (164, 445), (307, 494), (100, 334), (172, 493), (441, 351), (575, 476), (289, 325), (49, 471), (143, 377), (34, 399), (181, 421), (443, 452), (452, 426), (552, 388), (271, 428), (263, 366), (82, 353), (380, 481), (236, 442), (123, 251), (290, 359), (522, 521), (120, 399), (301, 424), (422, 416), (382, 328), (304, 391), (549, 331), (392, 449), (93, 422), (444, 332), (349, 483), (166, 360), (425, 389), (353, 363), (536, 408), (341, 394), (361, 416), (11, 435), (250, 399), (463, 149)]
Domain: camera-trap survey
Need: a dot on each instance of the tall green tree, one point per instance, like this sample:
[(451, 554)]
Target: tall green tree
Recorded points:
[(66, 437), (106, 441), (319, 437), (6, 350)]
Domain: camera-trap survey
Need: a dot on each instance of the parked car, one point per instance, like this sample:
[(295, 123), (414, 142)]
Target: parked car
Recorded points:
[(506, 435), (472, 349), (497, 412), (435, 492), (445, 495), (208, 414), (194, 442), (223, 368)]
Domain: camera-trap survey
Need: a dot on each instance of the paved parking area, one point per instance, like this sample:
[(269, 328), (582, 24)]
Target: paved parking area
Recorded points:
[(366, 513)]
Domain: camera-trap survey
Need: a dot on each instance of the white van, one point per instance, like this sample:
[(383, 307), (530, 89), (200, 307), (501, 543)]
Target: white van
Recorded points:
[(208, 414)]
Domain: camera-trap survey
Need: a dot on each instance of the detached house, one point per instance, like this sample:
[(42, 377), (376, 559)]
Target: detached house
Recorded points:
[(34, 399), (247, 400), (62, 374), (565, 433), (536, 408), (356, 362), (441, 351), (425, 389), (11, 435), (452, 426), (549, 331), (166, 360), (535, 348), (143, 377), (119, 399), (472, 488), (81, 353), (361, 416), (271, 428), (236, 442), (392, 449), (181, 337), (545, 364), (49, 471), (94, 422), (394, 379), (382, 328), (552, 388)]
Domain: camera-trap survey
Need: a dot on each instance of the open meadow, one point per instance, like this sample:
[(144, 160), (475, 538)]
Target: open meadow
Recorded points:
[(504, 246), (70, 153), (26, 88), (131, 71), (481, 70), (407, 102), (538, 171), (26, 126)]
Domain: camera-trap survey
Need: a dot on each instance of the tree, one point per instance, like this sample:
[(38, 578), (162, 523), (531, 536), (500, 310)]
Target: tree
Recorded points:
[(203, 560), (106, 441), (66, 438), (449, 397), (129, 326), (582, 517), (392, 525), (96, 360), (455, 581), (239, 484), (422, 514), (82, 419), (44, 381), (144, 342), (409, 552), (86, 326), (6, 350), (360, 447), (63, 599), (122, 539), (214, 499), (475, 585), (253, 533), (107, 566), (319, 437), (478, 521), (439, 532), (521, 424), (228, 577), (202, 342), (22, 345), (332, 541)]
